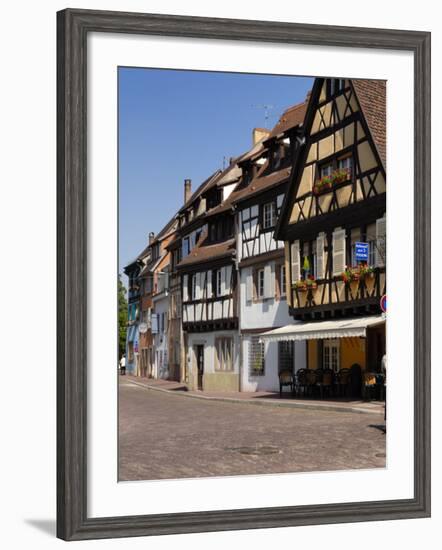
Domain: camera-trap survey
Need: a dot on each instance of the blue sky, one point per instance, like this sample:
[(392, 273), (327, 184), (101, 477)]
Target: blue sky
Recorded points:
[(180, 124)]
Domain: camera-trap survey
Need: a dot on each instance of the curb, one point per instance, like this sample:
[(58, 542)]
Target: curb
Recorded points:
[(309, 406)]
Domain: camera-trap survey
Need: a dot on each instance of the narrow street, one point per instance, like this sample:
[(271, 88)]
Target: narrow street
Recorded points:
[(164, 436)]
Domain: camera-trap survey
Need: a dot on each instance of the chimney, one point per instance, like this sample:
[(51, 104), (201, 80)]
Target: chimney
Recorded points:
[(259, 134), (187, 190), (151, 237)]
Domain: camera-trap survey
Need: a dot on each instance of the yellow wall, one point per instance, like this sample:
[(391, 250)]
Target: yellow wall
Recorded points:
[(220, 381), (352, 350)]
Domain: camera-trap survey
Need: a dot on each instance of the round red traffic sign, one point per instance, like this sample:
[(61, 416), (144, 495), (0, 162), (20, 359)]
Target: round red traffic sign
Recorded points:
[(383, 303)]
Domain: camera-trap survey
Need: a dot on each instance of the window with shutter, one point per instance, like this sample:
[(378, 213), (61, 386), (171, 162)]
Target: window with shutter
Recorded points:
[(260, 285), (197, 286), (223, 281), (209, 284), (227, 289), (193, 291), (295, 262), (218, 277), (338, 251), (154, 319), (320, 257), (282, 281), (185, 288), (202, 293), (249, 287), (269, 289), (381, 244)]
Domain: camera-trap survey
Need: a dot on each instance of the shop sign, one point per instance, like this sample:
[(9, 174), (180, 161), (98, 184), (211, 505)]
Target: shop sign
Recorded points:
[(361, 252)]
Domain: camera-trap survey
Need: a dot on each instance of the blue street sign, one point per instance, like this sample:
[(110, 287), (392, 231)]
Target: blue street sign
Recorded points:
[(361, 252)]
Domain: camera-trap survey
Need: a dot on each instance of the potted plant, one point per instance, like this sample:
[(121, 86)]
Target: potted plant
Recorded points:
[(350, 274), (366, 271), (340, 175), (306, 284), (311, 283), (323, 185), (300, 285)]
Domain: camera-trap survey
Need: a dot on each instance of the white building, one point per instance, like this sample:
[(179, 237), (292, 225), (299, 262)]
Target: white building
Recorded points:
[(260, 259)]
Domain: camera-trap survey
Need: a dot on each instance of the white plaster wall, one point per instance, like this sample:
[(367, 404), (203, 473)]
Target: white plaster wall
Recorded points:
[(269, 381), (262, 314), (208, 340)]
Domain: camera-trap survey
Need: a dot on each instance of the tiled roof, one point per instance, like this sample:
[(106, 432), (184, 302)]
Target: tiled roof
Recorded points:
[(291, 117), (262, 183), (150, 266), (144, 254), (203, 187), (169, 228), (203, 252), (371, 95)]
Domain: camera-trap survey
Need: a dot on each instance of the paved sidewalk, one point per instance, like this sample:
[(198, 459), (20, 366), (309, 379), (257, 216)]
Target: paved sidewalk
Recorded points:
[(260, 398)]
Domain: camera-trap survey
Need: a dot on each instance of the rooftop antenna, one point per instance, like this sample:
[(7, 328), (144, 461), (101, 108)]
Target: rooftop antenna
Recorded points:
[(267, 108)]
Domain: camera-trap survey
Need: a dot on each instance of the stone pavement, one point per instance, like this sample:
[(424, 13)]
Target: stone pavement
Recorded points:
[(263, 397), (165, 436)]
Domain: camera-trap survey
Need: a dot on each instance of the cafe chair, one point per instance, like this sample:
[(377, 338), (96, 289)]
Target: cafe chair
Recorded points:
[(286, 379)]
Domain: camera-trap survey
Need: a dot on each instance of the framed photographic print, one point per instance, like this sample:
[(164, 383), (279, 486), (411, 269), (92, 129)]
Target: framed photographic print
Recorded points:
[(225, 241)]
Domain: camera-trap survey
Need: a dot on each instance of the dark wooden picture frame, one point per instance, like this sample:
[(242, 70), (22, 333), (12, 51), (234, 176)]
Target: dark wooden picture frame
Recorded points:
[(73, 27)]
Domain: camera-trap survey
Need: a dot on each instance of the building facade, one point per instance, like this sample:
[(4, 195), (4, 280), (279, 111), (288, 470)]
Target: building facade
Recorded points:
[(260, 257), (133, 271), (209, 286), (277, 262), (334, 226), (154, 301)]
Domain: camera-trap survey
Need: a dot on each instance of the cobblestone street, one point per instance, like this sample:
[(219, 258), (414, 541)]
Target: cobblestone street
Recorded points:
[(165, 436)]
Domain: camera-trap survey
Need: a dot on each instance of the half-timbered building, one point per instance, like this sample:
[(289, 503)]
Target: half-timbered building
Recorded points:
[(209, 285), (333, 224), (260, 257), (154, 287), (133, 270)]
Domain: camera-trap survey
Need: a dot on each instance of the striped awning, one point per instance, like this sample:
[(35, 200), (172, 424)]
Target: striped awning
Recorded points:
[(336, 328)]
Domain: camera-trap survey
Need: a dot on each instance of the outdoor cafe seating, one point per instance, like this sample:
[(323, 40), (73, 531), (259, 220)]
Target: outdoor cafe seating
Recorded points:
[(324, 383)]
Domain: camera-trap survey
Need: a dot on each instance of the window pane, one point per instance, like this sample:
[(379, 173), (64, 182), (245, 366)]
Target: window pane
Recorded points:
[(326, 170), (285, 356), (256, 357)]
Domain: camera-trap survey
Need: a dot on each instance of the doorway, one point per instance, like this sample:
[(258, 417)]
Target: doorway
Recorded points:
[(199, 354)]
